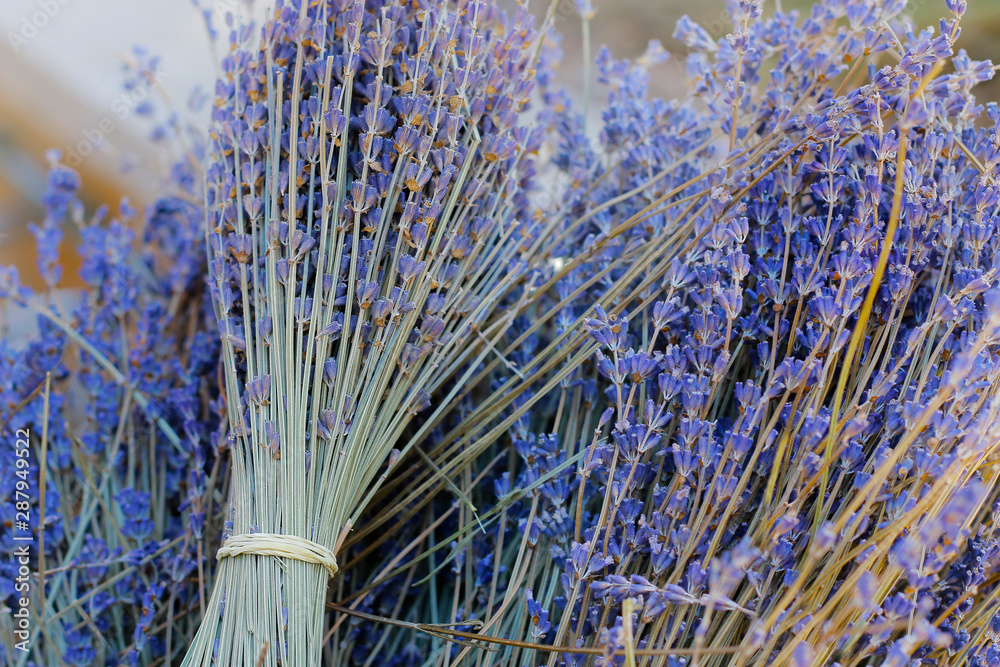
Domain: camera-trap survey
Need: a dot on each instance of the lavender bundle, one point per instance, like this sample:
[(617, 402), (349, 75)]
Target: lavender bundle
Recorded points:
[(109, 395), (786, 448), (367, 216)]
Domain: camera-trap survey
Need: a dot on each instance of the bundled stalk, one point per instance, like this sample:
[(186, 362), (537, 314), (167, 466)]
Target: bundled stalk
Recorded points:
[(366, 221), (787, 451)]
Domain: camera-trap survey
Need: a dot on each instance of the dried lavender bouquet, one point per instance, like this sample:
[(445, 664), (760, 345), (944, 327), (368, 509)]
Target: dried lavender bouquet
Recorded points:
[(367, 215), (798, 460)]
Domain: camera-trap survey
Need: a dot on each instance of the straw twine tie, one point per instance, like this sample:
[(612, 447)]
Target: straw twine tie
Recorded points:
[(279, 546)]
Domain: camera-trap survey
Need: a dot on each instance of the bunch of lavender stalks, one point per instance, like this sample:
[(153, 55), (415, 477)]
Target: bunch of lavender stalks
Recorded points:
[(106, 396), (785, 449), (370, 240)]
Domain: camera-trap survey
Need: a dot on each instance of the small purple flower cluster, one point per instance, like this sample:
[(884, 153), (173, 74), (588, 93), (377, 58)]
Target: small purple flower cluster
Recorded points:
[(109, 386)]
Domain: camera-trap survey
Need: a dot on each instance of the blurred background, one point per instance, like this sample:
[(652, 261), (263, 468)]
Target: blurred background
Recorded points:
[(61, 76), (61, 85)]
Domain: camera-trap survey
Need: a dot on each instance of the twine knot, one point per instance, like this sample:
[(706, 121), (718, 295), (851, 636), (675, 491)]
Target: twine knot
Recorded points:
[(279, 546)]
